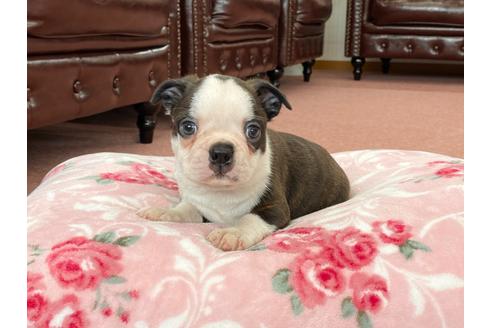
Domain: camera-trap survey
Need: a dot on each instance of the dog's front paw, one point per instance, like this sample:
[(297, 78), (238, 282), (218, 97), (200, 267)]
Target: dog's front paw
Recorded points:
[(229, 239), (160, 214)]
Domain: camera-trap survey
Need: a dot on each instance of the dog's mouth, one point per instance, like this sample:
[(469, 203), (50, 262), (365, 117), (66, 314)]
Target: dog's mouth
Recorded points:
[(224, 176)]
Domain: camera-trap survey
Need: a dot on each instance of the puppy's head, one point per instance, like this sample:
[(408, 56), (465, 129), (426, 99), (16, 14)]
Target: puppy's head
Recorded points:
[(219, 126)]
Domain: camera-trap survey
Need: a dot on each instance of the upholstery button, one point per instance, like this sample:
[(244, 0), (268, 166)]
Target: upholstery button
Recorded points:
[(223, 64), (252, 60), (436, 48), (116, 85), (77, 86), (384, 45), (238, 63), (152, 81), (78, 91)]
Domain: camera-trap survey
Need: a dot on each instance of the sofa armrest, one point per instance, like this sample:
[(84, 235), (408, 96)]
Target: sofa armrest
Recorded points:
[(356, 14)]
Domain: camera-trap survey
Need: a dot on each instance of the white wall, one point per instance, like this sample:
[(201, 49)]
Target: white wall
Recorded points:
[(334, 42)]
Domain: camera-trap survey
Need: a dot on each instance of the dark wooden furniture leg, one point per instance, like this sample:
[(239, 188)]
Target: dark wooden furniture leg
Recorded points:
[(357, 63), (275, 75), (146, 121), (385, 65), (307, 69)]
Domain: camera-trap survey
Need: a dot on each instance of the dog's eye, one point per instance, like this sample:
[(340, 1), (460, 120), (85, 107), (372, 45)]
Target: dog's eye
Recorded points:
[(253, 131), (187, 128)]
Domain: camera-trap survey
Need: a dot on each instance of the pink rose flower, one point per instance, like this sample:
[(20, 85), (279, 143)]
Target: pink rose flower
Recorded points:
[(36, 301), (392, 231), (296, 239), (147, 170), (141, 174), (451, 171), (370, 292), (134, 294), (314, 279), (350, 248), (36, 305), (81, 263), (107, 312), (66, 312), (125, 317)]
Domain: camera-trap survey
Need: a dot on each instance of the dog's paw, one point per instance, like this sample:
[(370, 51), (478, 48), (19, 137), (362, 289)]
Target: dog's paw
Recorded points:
[(160, 214), (228, 239)]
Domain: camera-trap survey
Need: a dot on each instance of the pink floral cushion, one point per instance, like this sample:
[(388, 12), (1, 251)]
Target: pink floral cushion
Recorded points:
[(391, 256)]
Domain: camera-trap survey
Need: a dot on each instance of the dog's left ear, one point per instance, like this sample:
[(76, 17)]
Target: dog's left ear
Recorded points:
[(270, 97)]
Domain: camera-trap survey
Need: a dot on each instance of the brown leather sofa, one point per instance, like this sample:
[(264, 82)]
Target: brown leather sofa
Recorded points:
[(238, 38), (302, 28), (89, 56), (417, 29), (86, 57), (273, 34)]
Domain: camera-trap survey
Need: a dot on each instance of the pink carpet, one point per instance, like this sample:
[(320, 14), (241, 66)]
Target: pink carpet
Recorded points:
[(396, 111)]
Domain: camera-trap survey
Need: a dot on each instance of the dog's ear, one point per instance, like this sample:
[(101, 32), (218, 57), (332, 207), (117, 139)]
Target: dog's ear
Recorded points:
[(270, 97), (169, 93)]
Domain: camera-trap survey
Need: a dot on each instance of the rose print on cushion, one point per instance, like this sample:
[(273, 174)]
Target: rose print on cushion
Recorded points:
[(350, 248), (314, 279), (316, 273), (392, 231), (37, 303), (139, 174), (370, 294), (127, 177), (82, 263), (64, 313), (442, 169), (398, 233), (451, 171)]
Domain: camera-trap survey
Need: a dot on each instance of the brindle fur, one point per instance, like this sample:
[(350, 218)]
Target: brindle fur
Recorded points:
[(304, 177)]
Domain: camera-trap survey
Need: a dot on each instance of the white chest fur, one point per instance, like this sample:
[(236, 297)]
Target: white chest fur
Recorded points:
[(227, 206)]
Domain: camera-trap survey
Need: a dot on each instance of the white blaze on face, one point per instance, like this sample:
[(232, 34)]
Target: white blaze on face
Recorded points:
[(220, 107)]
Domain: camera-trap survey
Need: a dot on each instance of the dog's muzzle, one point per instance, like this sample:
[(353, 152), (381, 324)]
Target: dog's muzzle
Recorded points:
[(221, 156)]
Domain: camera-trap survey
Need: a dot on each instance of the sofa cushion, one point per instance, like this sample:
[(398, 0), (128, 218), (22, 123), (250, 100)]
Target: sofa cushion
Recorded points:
[(235, 21), (447, 13), (392, 255), (113, 22)]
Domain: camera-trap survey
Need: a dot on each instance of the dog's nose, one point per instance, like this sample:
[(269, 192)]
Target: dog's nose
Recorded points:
[(221, 154)]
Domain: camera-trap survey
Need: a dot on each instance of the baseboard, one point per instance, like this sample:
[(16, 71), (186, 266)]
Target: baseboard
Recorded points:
[(397, 67)]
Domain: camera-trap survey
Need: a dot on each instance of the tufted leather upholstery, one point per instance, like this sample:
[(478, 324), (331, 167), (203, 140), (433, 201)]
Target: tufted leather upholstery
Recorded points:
[(236, 38), (418, 12), (420, 29), (89, 56), (302, 27), (97, 55)]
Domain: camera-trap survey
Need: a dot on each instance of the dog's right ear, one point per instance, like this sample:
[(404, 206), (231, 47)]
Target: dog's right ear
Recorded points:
[(169, 93)]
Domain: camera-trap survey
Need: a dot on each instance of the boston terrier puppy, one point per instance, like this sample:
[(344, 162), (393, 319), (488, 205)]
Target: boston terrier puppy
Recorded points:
[(232, 170)]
